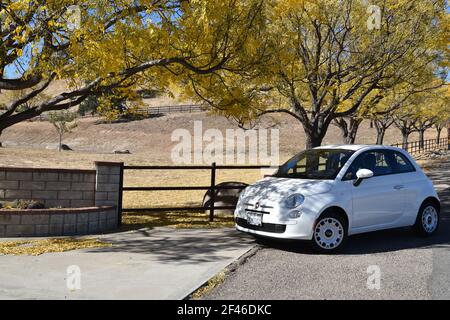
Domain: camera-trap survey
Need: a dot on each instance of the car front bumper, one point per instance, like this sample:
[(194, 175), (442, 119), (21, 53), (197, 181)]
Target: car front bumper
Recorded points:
[(298, 229)]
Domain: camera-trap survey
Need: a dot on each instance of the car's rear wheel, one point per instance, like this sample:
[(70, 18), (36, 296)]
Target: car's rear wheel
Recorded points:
[(330, 233), (427, 222)]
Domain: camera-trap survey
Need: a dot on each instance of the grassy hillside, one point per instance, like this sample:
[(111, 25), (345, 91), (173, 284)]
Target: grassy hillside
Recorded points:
[(151, 138)]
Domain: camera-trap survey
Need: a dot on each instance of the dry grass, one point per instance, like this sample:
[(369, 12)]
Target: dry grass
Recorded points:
[(49, 158), (137, 199), (178, 220), (152, 137), (38, 247), (215, 281)]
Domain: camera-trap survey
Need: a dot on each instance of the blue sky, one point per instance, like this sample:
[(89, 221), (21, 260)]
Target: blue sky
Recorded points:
[(12, 71)]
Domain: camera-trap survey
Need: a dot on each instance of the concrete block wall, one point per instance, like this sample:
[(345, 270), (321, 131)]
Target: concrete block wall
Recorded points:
[(55, 187), (108, 187), (57, 222), (93, 196)]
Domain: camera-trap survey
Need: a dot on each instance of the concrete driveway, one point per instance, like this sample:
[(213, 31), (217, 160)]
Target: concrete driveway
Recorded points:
[(410, 267), (162, 263)]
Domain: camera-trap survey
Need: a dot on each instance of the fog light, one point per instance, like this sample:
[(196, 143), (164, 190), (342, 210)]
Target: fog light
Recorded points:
[(294, 214)]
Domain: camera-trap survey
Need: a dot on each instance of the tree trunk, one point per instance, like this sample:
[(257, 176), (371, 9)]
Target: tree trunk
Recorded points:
[(349, 139), (348, 130), (438, 136), (60, 143), (380, 136), (405, 135), (354, 126), (342, 125), (421, 138), (381, 131), (313, 139)]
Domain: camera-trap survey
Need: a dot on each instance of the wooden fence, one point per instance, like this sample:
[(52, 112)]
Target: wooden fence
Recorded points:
[(412, 147)]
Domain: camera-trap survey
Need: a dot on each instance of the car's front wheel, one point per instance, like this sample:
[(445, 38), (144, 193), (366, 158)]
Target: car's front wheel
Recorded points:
[(330, 233), (427, 221)]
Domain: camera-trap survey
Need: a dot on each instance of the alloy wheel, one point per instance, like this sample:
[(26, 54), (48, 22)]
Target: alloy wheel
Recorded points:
[(429, 219), (329, 233)]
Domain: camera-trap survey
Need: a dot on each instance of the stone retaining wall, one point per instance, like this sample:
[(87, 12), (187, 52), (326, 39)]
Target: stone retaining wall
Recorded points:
[(93, 196), (57, 222)]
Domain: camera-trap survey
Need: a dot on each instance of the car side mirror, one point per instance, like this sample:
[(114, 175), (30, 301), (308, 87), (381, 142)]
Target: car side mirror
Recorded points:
[(362, 174)]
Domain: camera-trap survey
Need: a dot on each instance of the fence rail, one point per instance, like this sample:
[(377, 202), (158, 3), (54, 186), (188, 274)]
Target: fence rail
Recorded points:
[(412, 147), (188, 108), (212, 187), (149, 111), (416, 147)]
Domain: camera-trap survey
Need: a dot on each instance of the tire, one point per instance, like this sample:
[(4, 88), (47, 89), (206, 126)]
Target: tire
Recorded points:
[(427, 221), (330, 233)]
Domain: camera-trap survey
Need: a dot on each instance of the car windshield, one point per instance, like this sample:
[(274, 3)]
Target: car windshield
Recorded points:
[(315, 164)]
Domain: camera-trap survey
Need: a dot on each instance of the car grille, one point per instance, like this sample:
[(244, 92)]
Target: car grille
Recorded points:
[(257, 211), (266, 227)]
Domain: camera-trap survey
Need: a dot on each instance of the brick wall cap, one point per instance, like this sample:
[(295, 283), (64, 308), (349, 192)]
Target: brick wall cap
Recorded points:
[(55, 211), (108, 164), (47, 170)]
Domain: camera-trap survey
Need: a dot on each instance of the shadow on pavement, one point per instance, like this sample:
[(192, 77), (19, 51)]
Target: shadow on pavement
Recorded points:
[(189, 246)]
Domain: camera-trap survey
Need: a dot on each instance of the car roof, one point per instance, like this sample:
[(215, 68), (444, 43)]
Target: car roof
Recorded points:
[(355, 147)]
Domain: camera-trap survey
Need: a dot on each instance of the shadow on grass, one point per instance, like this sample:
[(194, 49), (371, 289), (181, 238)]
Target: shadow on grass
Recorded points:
[(138, 117), (178, 220)]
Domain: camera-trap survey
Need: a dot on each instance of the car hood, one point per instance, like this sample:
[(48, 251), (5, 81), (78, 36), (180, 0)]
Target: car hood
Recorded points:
[(272, 188)]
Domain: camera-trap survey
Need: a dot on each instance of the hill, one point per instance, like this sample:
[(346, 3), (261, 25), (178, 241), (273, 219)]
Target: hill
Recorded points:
[(151, 138)]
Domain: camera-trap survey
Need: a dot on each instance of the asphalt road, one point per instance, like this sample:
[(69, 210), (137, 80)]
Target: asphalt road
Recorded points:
[(410, 267)]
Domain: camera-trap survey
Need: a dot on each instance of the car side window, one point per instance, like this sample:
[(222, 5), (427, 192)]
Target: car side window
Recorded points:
[(402, 164), (380, 162)]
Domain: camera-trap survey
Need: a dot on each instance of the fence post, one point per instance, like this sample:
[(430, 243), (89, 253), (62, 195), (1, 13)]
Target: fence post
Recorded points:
[(108, 189), (448, 135), (120, 202), (213, 192)]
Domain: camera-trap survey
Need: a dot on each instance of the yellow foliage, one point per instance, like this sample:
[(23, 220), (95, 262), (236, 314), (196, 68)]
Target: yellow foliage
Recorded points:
[(315, 54), (38, 247)]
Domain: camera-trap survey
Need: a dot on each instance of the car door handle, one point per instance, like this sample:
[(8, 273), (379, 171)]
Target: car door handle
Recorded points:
[(399, 187)]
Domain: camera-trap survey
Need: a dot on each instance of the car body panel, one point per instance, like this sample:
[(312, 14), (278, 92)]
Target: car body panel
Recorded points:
[(380, 202)]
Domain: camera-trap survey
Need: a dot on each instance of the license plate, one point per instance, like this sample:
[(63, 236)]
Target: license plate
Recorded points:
[(254, 219)]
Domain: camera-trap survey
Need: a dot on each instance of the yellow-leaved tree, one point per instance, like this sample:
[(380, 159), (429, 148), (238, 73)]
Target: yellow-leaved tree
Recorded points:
[(328, 59), (105, 48)]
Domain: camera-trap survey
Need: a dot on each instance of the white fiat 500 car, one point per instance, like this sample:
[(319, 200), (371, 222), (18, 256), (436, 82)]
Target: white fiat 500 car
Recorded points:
[(328, 193)]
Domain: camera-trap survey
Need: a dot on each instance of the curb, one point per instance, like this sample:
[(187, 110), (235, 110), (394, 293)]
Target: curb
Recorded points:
[(229, 269)]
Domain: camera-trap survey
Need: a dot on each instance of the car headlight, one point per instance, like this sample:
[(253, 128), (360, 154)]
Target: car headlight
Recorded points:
[(295, 200)]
